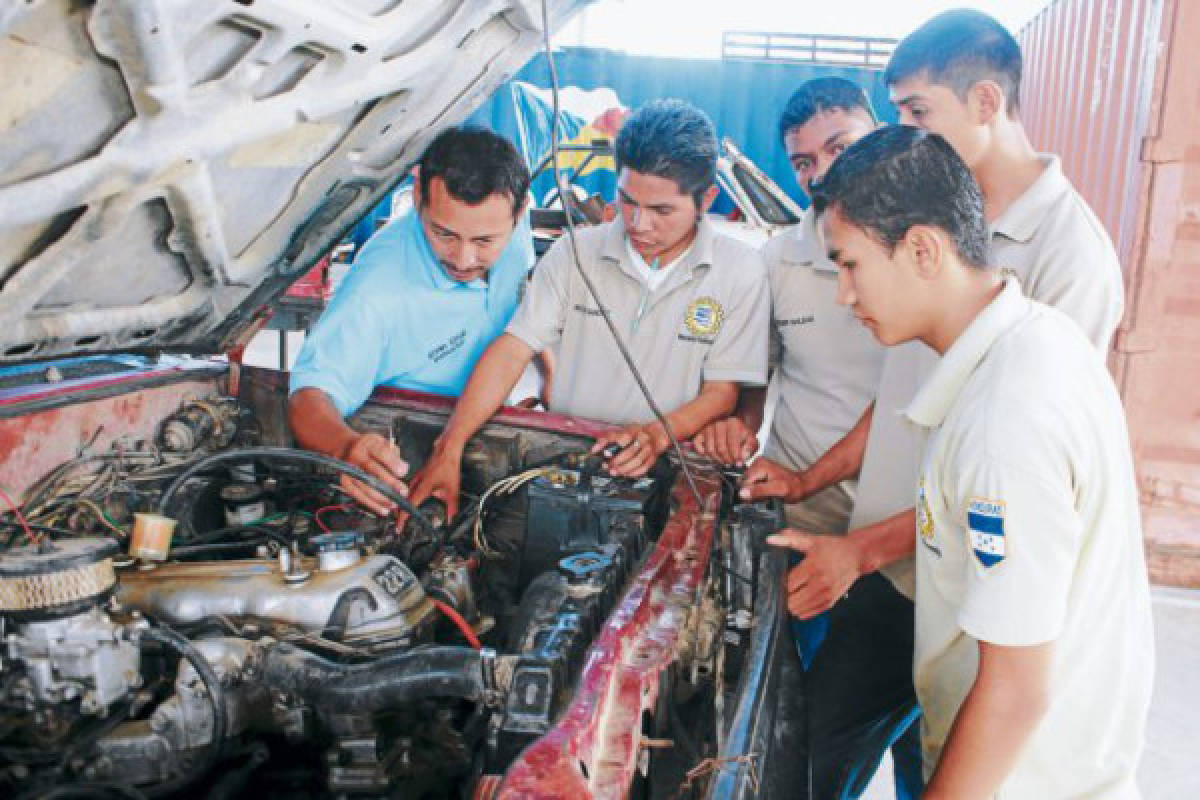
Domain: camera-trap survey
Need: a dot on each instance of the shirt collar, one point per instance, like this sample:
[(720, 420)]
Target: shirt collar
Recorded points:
[(698, 255), (1020, 220), (433, 268), (938, 394), (805, 244)]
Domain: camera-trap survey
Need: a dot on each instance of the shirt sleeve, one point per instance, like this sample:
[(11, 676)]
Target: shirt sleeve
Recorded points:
[(774, 346), (522, 244), (1023, 536), (739, 353), (540, 317), (1081, 276), (342, 355)]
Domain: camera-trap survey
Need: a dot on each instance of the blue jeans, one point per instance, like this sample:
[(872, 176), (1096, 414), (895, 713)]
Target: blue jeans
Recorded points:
[(857, 692)]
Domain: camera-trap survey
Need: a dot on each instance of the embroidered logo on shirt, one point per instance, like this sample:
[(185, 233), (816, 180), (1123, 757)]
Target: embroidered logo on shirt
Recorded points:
[(447, 347), (985, 528), (704, 317), (925, 519), (807, 319)]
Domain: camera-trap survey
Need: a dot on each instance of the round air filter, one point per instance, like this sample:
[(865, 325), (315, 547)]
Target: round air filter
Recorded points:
[(56, 579)]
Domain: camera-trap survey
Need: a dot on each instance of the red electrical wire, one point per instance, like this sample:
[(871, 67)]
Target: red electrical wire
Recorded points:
[(16, 509), (460, 623), (322, 509)]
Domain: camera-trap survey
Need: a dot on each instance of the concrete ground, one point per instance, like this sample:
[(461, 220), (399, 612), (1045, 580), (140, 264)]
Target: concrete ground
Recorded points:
[(1170, 767)]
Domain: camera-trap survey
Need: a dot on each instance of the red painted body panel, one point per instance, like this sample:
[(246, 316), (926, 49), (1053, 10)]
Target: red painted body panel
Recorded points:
[(601, 729), (33, 444)]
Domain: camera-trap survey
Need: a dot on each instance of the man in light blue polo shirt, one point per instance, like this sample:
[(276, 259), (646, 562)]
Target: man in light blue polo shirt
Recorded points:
[(426, 296)]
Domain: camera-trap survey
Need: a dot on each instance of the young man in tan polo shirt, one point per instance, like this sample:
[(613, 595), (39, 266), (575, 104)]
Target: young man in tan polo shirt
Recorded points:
[(1034, 645), (691, 304), (957, 75), (856, 691)]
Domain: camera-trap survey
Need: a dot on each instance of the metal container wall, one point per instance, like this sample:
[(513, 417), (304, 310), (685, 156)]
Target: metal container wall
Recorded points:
[(1086, 92), (1114, 86)]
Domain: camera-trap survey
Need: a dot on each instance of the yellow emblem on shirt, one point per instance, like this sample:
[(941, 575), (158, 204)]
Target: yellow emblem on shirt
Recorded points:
[(925, 518), (704, 317)]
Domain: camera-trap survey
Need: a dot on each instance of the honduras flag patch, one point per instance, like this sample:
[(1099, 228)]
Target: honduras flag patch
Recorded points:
[(985, 526)]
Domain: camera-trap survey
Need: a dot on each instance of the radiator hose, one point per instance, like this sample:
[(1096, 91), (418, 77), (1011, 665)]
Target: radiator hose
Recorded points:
[(390, 681)]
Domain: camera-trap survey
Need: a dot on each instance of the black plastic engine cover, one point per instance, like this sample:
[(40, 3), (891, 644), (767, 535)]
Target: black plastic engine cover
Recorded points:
[(560, 614), (571, 512)]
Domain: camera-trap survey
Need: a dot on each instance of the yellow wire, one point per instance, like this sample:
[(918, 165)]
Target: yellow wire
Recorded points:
[(99, 512)]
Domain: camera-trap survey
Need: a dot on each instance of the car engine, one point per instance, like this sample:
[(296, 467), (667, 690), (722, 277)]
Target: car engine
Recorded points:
[(307, 647)]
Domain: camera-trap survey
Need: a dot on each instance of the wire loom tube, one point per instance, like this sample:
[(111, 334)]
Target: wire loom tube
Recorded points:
[(290, 454), (394, 680), (216, 696), (76, 791)]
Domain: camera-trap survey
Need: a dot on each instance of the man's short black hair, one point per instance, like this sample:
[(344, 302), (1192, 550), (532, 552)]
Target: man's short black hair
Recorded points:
[(958, 49), (670, 139), (474, 163), (822, 94), (900, 176)]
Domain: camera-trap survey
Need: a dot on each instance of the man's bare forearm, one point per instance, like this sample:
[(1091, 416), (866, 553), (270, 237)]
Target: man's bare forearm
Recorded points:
[(842, 461), (492, 379), (1008, 699), (716, 399), (750, 406), (885, 542), (317, 424)]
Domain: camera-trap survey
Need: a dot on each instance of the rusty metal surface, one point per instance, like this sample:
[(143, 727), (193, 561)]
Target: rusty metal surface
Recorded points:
[(33, 444), (1113, 86), (1162, 354)]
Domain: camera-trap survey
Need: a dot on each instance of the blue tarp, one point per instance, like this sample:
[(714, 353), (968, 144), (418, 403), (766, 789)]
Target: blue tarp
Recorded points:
[(743, 98)]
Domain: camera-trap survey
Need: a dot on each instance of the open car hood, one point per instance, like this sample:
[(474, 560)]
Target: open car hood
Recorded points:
[(168, 167)]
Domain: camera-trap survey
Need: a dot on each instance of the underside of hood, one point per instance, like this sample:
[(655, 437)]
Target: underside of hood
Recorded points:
[(168, 167)]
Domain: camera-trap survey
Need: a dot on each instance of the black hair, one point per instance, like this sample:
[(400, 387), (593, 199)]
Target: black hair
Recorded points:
[(670, 139), (822, 94), (900, 176), (958, 49), (474, 163)]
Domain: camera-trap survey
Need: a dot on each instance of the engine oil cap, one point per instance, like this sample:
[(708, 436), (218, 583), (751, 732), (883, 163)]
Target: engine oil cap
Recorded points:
[(336, 541), (336, 550), (581, 567)]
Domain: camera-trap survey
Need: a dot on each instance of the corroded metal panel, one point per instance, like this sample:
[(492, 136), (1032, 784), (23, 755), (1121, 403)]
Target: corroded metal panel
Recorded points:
[(1114, 86), (33, 444), (1086, 95)]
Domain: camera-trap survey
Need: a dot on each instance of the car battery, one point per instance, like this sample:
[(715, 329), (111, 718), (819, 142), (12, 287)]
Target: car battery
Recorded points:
[(570, 512)]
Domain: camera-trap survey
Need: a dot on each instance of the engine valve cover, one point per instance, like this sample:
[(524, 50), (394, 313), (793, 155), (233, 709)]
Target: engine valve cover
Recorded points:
[(373, 601)]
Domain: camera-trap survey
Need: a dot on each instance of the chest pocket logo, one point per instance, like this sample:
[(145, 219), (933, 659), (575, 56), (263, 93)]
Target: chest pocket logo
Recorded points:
[(704, 317), (985, 525), (925, 519)]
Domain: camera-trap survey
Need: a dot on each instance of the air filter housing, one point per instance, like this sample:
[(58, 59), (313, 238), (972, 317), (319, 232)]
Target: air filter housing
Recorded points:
[(56, 579)]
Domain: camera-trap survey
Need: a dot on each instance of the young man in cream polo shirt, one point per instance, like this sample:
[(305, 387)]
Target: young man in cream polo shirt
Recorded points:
[(691, 305), (1034, 648)]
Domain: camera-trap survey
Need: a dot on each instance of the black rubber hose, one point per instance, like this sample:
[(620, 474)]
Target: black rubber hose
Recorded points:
[(74, 791), (216, 696), (208, 537), (290, 454), (391, 681), (214, 552)]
